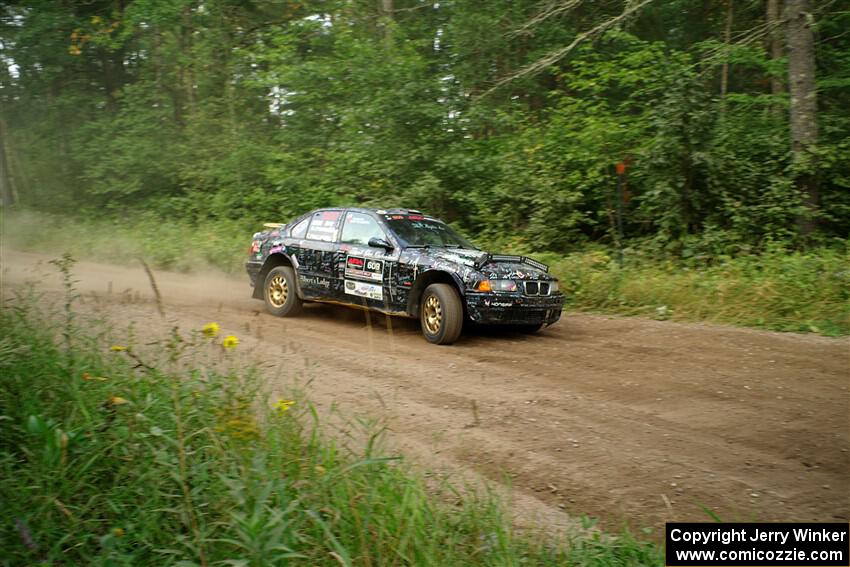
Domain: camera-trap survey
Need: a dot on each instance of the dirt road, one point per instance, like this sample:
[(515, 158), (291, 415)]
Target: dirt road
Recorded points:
[(634, 421)]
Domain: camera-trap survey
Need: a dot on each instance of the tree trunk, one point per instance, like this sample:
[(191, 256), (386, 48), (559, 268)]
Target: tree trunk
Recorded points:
[(387, 8), (187, 73), (803, 117), (7, 190), (774, 23), (727, 40)]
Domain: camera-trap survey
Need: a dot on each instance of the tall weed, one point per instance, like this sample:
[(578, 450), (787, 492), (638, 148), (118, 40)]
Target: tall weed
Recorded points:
[(779, 290), (165, 244)]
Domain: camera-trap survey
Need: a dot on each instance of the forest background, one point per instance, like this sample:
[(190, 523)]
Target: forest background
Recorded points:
[(668, 157)]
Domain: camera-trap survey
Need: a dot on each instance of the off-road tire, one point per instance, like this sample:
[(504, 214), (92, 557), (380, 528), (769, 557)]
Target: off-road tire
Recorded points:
[(280, 292), (441, 314)]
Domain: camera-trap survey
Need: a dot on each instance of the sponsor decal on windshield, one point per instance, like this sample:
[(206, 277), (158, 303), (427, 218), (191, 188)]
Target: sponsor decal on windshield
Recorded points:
[(358, 218)]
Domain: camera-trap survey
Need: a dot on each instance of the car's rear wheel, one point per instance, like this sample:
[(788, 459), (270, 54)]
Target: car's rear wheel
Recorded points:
[(441, 314), (279, 292)]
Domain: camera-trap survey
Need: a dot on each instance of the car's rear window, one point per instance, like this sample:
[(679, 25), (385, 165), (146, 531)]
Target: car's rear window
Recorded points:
[(323, 226), (300, 229)]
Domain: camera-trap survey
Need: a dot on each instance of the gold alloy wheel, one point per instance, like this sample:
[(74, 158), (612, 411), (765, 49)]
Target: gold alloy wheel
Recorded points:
[(278, 291), (433, 318)]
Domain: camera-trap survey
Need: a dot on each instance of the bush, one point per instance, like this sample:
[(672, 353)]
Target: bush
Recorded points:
[(778, 290), (172, 245)]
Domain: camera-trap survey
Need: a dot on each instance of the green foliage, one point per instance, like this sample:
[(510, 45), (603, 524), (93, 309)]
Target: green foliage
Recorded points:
[(222, 110), (177, 246), (140, 162), (169, 452), (778, 290)]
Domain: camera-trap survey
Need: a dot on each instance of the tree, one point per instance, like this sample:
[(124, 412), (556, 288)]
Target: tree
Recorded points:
[(7, 189), (773, 17), (803, 117)]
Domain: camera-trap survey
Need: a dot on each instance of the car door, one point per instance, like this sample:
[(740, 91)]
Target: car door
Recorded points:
[(365, 272), (316, 256)]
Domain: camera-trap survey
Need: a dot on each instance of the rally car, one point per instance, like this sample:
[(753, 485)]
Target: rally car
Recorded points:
[(399, 262)]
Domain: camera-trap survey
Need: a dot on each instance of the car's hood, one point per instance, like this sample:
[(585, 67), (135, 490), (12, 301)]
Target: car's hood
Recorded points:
[(461, 256), (490, 265), (501, 270)]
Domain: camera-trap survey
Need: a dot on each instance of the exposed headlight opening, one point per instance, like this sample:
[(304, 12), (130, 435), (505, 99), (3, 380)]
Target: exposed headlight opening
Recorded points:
[(503, 285)]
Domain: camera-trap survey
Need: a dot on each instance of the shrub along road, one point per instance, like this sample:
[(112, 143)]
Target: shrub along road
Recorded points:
[(630, 420)]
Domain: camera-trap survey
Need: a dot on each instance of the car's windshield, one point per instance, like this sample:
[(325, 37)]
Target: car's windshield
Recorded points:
[(417, 230)]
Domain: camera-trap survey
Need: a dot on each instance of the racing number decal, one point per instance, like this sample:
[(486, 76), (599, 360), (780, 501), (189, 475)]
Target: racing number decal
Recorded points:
[(359, 268), (364, 269)]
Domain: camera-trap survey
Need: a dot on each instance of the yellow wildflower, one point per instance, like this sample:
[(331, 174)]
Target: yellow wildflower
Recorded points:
[(89, 378), (211, 330), (117, 348), (117, 401), (282, 406), (118, 532), (230, 342)]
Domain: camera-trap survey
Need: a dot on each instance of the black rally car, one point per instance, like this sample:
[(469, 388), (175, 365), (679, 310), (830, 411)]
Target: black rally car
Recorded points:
[(399, 262)]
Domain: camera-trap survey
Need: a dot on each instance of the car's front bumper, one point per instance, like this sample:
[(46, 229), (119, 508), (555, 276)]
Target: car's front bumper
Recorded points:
[(504, 309)]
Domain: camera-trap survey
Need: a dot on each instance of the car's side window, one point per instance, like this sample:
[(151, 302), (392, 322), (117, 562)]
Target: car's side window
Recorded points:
[(358, 228), (323, 226), (300, 229)]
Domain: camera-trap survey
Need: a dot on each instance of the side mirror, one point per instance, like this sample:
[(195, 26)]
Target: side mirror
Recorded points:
[(380, 243)]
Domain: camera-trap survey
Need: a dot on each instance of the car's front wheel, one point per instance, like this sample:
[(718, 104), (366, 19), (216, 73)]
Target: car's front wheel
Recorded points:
[(279, 292), (441, 314)]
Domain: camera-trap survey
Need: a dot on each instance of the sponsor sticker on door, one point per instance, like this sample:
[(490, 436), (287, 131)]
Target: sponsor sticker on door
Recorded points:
[(363, 289), (364, 269)]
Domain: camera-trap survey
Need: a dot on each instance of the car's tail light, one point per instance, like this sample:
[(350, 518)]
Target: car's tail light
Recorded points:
[(254, 248)]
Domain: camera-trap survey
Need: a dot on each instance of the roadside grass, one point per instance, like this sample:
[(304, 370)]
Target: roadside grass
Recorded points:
[(171, 452), (778, 289), (168, 245)]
